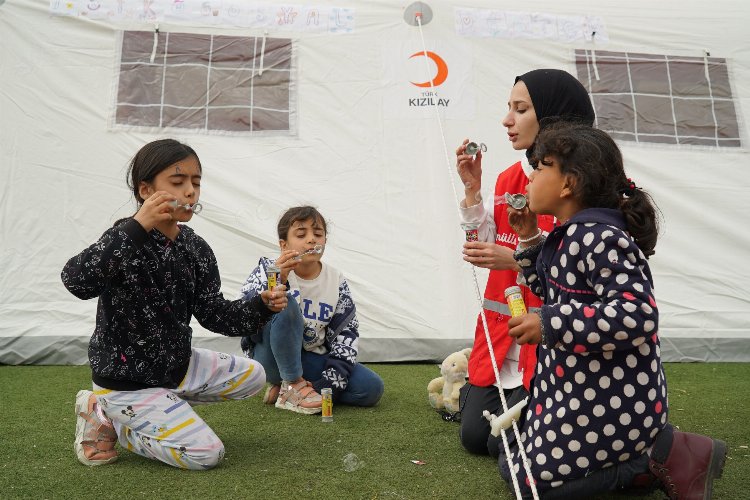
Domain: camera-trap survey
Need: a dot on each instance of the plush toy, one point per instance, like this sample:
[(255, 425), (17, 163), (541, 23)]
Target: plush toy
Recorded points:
[(505, 420), (443, 391)]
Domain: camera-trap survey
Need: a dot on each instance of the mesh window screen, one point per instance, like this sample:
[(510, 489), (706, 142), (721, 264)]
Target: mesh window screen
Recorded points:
[(205, 82), (660, 98)]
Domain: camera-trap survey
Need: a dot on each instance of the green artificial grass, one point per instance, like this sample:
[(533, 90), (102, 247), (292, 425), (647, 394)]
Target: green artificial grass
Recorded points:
[(365, 453)]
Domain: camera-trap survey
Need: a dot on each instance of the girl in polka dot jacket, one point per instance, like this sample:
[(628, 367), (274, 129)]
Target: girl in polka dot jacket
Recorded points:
[(597, 416)]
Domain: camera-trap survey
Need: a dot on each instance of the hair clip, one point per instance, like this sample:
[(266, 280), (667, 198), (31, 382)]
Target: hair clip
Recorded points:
[(629, 189)]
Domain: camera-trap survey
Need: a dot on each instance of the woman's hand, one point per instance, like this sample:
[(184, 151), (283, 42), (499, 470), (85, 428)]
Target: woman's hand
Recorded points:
[(470, 170), (155, 210), (287, 263), (526, 329), (489, 256), (523, 222), (275, 299)]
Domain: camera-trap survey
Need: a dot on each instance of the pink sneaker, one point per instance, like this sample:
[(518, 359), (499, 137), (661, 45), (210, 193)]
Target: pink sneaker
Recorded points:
[(299, 397), (95, 439)]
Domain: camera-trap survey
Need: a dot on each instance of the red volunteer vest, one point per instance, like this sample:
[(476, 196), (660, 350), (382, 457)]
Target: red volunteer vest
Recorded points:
[(512, 180)]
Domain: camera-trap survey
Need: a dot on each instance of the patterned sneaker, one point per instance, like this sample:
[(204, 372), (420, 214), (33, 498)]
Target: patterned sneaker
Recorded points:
[(95, 439), (299, 397), (272, 394)]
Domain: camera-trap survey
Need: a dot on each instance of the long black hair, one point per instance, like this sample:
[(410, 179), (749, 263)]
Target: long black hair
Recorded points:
[(595, 162), (151, 159)]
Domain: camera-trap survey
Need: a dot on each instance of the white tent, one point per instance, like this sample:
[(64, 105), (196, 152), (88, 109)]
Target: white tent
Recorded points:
[(361, 142)]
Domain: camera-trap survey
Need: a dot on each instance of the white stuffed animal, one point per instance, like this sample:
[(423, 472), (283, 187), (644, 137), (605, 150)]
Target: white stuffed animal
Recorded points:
[(442, 392), (506, 419)]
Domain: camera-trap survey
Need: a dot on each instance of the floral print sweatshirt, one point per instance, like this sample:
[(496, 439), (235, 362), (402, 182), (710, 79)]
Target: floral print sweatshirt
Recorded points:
[(149, 287)]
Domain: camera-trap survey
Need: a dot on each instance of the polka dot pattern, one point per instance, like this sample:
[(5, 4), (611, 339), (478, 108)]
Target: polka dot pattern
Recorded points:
[(599, 383)]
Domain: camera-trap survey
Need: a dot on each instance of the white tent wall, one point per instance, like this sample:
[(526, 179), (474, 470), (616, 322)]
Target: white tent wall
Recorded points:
[(383, 182)]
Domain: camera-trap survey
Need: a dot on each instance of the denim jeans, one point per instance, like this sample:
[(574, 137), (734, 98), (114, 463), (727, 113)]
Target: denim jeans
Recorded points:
[(281, 354)]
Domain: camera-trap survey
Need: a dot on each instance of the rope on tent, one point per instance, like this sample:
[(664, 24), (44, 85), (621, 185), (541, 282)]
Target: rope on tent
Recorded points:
[(418, 20), (706, 55), (156, 42), (262, 52), (593, 55)]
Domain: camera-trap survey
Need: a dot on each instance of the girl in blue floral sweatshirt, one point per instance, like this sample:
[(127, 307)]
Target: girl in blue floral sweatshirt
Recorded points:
[(597, 416), (314, 343)]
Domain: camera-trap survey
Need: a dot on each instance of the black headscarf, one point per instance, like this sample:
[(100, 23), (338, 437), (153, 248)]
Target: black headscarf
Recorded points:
[(557, 93), (557, 96)]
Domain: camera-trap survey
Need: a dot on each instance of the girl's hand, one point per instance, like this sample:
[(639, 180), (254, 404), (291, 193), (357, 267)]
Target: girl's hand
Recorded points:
[(526, 329), (287, 263), (155, 209), (523, 222), (470, 170), (489, 256), (275, 299)]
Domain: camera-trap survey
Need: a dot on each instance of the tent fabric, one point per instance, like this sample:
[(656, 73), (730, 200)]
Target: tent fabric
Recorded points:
[(367, 149)]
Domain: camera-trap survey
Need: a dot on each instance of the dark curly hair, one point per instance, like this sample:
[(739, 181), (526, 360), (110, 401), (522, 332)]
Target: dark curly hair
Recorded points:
[(595, 162)]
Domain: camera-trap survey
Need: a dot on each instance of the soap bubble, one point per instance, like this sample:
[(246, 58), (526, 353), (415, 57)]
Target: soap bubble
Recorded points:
[(352, 462)]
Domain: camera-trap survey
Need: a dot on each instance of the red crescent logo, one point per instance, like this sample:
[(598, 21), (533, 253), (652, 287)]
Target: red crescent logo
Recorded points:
[(442, 70)]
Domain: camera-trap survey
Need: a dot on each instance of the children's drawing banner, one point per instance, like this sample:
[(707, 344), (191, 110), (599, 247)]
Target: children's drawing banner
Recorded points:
[(281, 16)]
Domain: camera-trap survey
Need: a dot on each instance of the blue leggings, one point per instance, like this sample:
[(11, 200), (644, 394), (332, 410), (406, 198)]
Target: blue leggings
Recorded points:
[(281, 354)]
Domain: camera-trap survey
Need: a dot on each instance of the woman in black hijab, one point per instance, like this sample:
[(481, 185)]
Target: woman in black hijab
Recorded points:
[(556, 93), (539, 98)]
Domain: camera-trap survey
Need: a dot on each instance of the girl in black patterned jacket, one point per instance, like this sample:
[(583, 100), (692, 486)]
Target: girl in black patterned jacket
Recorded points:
[(151, 275), (597, 416)]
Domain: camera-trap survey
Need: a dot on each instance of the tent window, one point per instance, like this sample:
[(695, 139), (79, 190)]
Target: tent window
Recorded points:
[(205, 82), (659, 98)]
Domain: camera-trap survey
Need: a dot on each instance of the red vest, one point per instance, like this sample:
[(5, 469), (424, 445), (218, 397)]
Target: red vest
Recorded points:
[(512, 180)]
